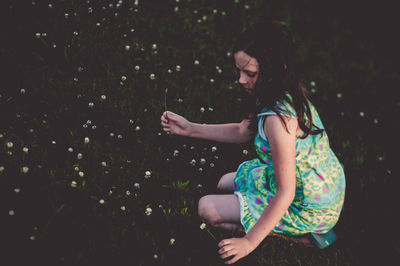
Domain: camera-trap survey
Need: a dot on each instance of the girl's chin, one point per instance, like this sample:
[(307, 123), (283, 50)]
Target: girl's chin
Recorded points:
[(248, 91)]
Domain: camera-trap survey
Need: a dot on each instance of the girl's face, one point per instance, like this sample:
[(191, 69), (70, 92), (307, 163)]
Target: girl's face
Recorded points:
[(249, 69)]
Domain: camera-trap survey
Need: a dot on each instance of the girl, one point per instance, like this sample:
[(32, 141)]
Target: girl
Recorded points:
[(296, 186)]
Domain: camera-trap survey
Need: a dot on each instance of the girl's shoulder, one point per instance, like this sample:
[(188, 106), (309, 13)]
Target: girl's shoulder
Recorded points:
[(282, 107)]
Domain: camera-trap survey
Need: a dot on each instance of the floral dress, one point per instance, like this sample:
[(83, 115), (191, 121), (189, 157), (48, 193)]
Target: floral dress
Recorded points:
[(320, 181)]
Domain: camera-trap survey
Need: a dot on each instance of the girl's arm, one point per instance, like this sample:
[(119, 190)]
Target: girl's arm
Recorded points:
[(283, 148), (229, 133)]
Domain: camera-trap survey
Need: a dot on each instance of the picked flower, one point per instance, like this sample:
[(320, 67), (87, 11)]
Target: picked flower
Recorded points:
[(202, 226)]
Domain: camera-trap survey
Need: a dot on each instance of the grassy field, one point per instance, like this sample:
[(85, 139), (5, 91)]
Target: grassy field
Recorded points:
[(89, 178)]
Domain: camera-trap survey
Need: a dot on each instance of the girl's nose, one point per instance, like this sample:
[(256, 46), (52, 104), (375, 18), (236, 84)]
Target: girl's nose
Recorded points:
[(242, 79)]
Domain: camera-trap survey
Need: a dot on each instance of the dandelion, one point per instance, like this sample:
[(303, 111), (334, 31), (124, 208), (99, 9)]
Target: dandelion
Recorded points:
[(228, 54), (178, 68), (202, 226), (81, 174), (10, 144), (137, 185), (79, 156), (101, 201), (312, 83), (154, 46), (76, 168), (86, 140), (73, 184), (123, 208), (180, 100), (53, 142), (245, 152), (66, 15), (202, 109), (169, 71), (22, 91), (193, 162), (152, 76), (137, 128), (119, 136), (103, 97), (155, 256), (25, 149), (91, 105), (147, 174), (137, 68), (199, 185), (212, 164), (176, 9), (213, 149), (172, 241), (339, 95), (25, 169), (110, 192), (200, 169), (32, 238), (127, 193), (176, 153), (111, 134), (362, 114), (123, 78), (210, 109), (2, 168), (376, 121), (148, 211), (212, 80), (17, 190), (202, 161)]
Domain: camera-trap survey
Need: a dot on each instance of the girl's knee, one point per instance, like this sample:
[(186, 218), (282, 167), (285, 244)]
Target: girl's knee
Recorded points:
[(226, 182), (205, 209)]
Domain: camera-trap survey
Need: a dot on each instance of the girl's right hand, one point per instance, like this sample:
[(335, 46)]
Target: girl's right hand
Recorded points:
[(175, 124)]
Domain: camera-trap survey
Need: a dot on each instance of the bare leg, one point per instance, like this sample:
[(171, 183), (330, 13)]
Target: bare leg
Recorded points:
[(225, 184), (221, 211)]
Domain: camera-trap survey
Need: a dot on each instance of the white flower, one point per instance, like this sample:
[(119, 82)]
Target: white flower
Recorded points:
[(70, 149), (22, 91), (53, 142), (147, 174), (81, 174), (101, 201), (79, 156), (178, 68), (212, 80), (339, 95), (180, 100), (376, 121), (25, 169), (104, 164), (172, 241), (137, 67), (76, 168), (137, 185), (86, 140), (127, 193), (17, 190), (202, 109), (91, 105), (202, 161), (154, 46), (123, 208), (196, 62), (213, 149), (103, 97), (155, 256), (148, 211), (202, 226), (123, 78), (193, 162), (137, 128), (152, 76), (73, 184), (212, 164), (25, 149), (10, 144), (32, 238), (176, 9), (362, 114), (11, 212), (176, 153), (210, 109), (200, 169), (245, 152), (312, 83)]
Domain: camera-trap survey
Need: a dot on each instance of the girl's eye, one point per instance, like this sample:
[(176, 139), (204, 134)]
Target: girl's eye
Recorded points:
[(251, 75)]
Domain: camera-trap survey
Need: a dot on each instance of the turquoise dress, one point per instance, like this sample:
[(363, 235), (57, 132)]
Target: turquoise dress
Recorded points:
[(320, 181)]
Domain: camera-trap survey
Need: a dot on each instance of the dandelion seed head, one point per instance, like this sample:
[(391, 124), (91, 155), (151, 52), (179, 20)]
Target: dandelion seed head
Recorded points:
[(202, 226), (101, 201)]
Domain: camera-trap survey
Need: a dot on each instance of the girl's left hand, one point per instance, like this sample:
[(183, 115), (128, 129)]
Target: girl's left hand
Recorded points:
[(237, 247)]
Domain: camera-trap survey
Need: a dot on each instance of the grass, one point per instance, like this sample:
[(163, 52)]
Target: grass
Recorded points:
[(70, 75)]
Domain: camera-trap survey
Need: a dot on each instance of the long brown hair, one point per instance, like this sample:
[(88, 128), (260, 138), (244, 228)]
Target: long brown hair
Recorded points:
[(270, 42)]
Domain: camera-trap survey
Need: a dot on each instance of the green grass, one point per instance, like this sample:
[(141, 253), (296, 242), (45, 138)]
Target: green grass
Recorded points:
[(64, 73)]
